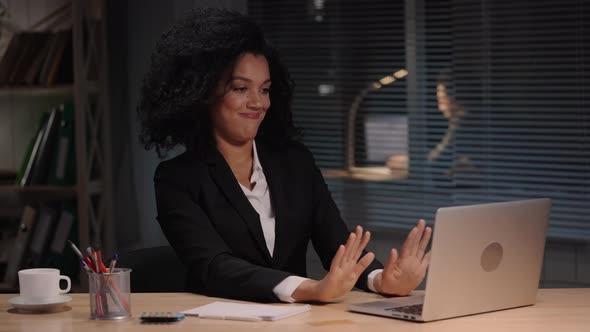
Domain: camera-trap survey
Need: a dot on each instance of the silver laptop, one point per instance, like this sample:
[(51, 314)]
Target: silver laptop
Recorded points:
[(485, 257)]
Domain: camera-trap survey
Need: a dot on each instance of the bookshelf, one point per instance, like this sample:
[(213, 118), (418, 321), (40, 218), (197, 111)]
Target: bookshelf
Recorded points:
[(63, 90), (88, 93), (42, 193)]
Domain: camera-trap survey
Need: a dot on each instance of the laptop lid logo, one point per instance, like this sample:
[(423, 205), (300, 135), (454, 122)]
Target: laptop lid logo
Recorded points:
[(491, 256)]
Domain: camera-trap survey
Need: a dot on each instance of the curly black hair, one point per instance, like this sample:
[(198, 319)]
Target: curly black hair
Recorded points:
[(186, 65)]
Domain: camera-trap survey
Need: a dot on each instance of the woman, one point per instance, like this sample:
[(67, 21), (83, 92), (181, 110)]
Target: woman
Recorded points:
[(242, 203)]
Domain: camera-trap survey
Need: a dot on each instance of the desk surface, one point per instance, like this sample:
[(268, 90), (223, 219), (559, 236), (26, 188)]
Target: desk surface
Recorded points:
[(556, 310)]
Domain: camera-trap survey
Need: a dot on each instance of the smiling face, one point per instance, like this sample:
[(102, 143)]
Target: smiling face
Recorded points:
[(241, 100)]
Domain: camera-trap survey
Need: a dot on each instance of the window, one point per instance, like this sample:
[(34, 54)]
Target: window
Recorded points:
[(494, 106)]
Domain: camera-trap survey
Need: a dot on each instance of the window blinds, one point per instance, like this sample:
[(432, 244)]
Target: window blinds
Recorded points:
[(493, 108)]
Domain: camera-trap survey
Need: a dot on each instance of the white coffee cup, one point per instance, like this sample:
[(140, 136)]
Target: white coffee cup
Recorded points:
[(41, 285)]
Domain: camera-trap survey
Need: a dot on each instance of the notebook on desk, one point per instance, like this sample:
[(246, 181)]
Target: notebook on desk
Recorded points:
[(246, 311), (485, 257)]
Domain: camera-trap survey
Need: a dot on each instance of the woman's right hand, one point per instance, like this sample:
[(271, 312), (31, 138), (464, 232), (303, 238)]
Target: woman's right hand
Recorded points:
[(345, 270)]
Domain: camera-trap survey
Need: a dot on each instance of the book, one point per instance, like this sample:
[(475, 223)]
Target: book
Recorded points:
[(65, 70), (62, 231), (41, 164), (246, 311), (31, 76), (26, 169), (26, 43), (21, 243), (11, 57), (41, 234), (49, 58), (59, 62), (33, 42), (63, 164), (66, 229)]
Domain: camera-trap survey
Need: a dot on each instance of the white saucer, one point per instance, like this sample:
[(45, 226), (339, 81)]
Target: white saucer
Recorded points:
[(52, 305)]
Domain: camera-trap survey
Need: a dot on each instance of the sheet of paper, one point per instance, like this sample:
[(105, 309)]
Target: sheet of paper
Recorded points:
[(246, 311)]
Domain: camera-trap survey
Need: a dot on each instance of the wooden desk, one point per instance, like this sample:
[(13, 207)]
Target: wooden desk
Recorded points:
[(556, 310)]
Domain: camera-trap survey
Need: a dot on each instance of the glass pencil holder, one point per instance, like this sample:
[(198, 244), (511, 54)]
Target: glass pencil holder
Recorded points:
[(110, 294)]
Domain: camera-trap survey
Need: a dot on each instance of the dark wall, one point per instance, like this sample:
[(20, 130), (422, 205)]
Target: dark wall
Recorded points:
[(133, 28)]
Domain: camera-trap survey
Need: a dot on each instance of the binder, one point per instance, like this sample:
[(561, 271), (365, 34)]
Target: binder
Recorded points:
[(63, 165), (46, 149), (44, 228), (26, 169), (66, 229), (21, 244)]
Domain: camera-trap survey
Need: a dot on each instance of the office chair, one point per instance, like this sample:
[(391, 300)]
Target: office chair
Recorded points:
[(155, 270)]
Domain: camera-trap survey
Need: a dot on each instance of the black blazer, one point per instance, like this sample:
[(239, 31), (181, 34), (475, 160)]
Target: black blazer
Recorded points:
[(216, 232)]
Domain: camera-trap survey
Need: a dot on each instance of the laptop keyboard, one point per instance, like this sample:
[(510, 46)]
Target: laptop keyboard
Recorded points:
[(415, 309)]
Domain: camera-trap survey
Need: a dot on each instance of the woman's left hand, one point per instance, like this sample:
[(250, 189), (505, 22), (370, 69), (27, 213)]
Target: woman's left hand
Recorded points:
[(347, 266), (401, 275)]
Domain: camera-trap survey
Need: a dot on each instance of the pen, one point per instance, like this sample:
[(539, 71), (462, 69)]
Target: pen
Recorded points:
[(98, 256), (114, 286), (90, 254), (90, 264), (76, 250), (96, 262), (113, 262), (85, 265), (101, 262), (83, 261), (94, 259), (117, 294)]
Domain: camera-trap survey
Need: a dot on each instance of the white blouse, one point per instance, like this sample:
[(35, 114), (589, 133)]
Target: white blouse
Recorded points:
[(259, 197)]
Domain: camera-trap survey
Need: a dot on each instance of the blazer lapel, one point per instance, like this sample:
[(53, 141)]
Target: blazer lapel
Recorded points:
[(273, 173), (227, 183)]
